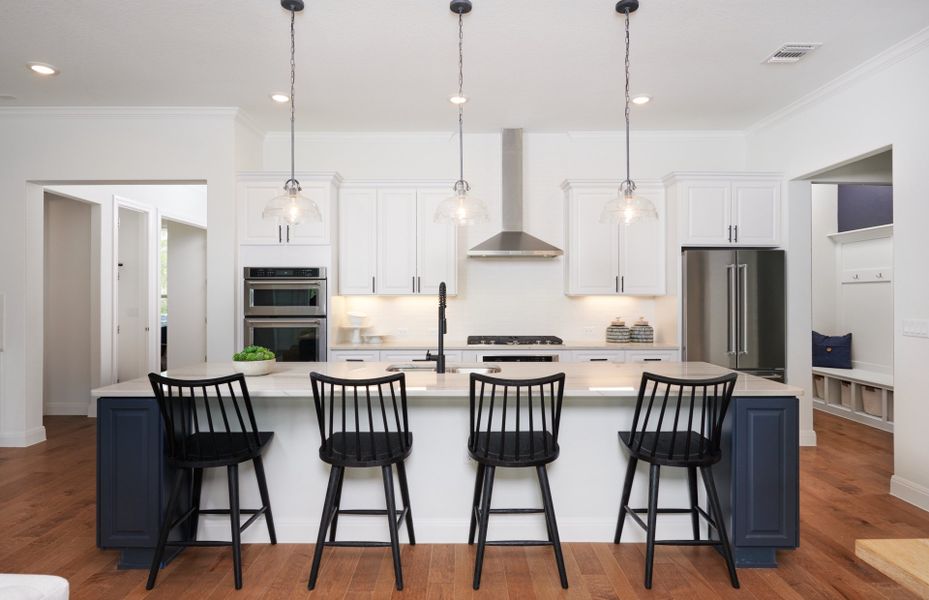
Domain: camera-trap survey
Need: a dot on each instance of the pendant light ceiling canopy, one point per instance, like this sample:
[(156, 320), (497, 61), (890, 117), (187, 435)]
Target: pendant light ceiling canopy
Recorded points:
[(461, 208), (628, 206), (292, 207)]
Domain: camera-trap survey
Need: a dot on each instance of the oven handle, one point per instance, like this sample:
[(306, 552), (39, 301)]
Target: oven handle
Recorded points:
[(280, 321), (290, 282)]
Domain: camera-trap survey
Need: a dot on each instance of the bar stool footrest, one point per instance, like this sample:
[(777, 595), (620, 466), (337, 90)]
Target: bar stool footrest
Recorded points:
[(518, 543), (357, 544)]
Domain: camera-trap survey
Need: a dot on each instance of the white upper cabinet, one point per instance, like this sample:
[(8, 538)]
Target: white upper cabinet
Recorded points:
[(727, 209), (357, 241), (254, 190), (396, 241), (389, 244), (611, 259)]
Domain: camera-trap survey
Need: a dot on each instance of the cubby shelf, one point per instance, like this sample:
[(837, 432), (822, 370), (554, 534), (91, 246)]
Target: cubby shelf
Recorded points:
[(867, 396)]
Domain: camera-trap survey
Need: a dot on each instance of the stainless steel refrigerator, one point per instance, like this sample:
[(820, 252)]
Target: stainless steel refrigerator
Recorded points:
[(735, 310)]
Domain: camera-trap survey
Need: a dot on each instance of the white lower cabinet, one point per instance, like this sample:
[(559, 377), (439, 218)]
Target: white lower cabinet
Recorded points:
[(354, 356), (598, 356), (637, 356), (612, 259), (388, 242)]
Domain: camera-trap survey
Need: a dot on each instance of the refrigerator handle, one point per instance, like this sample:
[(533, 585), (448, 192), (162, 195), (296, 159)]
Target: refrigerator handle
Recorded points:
[(743, 306), (730, 309)]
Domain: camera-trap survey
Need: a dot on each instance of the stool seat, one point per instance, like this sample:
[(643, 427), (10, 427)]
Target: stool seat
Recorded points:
[(670, 448), (220, 449), (512, 449), (366, 449)]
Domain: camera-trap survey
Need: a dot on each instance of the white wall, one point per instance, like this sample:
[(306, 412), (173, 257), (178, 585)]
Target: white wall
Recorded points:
[(133, 304), (882, 104), (186, 294), (825, 221), (44, 146), (69, 301), (522, 296)]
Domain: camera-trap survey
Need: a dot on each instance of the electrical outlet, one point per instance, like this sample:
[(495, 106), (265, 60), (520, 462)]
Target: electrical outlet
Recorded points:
[(916, 328), (402, 332), (589, 331)]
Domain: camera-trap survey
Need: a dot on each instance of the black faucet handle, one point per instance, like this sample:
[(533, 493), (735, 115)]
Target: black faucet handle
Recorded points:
[(442, 295)]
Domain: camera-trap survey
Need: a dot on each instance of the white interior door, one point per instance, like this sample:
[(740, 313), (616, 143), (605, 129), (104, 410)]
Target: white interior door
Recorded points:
[(135, 291), (186, 294)]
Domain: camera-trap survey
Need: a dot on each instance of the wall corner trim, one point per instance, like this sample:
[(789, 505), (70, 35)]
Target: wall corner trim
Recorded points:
[(807, 437)]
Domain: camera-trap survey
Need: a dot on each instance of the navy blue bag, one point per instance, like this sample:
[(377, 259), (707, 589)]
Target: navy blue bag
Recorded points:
[(832, 351)]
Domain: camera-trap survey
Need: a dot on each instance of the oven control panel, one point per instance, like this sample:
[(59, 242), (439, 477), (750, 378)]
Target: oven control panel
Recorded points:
[(285, 272)]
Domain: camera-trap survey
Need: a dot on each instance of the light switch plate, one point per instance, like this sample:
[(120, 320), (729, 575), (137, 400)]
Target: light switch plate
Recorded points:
[(916, 328)]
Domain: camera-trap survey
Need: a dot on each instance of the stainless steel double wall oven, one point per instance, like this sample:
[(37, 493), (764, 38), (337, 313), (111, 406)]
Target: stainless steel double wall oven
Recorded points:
[(285, 311)]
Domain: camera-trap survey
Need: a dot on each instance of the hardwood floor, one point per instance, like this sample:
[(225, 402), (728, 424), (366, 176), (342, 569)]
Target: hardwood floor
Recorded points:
[(47, 517)]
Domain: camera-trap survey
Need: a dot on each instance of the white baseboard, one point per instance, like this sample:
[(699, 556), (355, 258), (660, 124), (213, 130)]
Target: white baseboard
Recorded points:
[(807, 437), (91, 410), (909, 491), (21, 439), (66, 408)]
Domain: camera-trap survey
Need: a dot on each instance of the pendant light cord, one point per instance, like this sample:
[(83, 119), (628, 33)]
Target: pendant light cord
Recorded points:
[(628, 181), (460, 96), (293, 77)]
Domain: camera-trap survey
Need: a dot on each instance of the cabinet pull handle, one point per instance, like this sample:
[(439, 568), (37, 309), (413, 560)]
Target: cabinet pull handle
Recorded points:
[(354, 360), (735, 230), (288, 234), (730, 234), (419, 284), (598, 360), (414, 284), (617, 284), (651, 360), (622, 284), (372, 285), (279, 240)]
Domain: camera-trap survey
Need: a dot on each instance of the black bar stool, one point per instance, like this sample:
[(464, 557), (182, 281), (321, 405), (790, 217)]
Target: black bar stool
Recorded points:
[(517, 426), (678, 423), (210, 424), (362, 423)]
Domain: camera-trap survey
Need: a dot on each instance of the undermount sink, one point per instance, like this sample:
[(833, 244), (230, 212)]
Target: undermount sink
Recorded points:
[(426, 366)]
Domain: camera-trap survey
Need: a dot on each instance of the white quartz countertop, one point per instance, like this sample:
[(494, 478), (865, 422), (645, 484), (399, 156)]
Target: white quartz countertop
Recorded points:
[(582, 379), (460, 345)]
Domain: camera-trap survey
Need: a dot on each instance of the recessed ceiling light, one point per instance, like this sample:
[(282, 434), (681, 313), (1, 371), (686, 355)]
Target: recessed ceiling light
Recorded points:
[(458, 99), (282, 98), (42, 69), (641, 99)]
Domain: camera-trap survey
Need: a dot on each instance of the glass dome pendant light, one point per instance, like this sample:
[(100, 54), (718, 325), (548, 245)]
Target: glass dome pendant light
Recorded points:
[(461, 208), (292, 207), (628, 207)]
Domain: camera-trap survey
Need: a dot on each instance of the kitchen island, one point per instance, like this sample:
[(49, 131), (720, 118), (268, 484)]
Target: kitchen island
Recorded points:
[(757, 479)]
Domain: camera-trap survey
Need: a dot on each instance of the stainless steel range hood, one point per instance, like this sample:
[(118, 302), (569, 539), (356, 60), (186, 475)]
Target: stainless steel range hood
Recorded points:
[(513, 242)]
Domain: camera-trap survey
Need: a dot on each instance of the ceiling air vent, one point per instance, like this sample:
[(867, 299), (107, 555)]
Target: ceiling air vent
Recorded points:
[(792, 52)]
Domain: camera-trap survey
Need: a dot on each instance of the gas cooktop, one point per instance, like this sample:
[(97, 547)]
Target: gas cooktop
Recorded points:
[(514, 340)]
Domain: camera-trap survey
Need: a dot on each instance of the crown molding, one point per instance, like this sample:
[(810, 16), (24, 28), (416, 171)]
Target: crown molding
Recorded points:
[(893, 55), (644, 183), (246, 120), (658, 134), (118, 112), (329, 136)]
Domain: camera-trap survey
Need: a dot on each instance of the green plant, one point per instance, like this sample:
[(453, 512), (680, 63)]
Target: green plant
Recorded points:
[(250, 353)]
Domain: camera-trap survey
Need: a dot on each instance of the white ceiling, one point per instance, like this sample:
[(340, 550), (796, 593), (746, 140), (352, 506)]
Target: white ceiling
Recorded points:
[(380, 66)]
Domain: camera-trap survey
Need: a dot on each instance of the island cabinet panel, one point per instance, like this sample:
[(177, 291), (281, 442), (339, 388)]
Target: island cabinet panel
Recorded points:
[(133, 481), (759, 478)]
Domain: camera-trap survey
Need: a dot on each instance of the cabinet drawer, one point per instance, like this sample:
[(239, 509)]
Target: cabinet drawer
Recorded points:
[(354, 356), (634, 356), (598, 356)]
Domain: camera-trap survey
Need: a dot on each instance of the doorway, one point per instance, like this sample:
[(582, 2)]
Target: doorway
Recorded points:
[(182, 282)]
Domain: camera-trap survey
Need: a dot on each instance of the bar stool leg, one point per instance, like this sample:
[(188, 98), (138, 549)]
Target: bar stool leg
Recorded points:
[(405, 496), (195, 487), (717, 513), (236, 522), (265, 498), (164, 530), (552, 524), (337, 505), (624, 500), (392, 523), (694, 515), (487, 493), (475, 504), (334, 474), (654, 475)]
